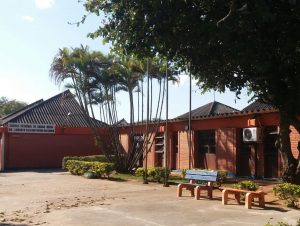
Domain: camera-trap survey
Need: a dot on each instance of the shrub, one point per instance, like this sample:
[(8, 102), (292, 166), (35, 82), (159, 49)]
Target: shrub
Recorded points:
[(288, 192), (246, 185), (98, 169), (280, 223), (156, 173), (89, 158), (222, 176), (139, 172)]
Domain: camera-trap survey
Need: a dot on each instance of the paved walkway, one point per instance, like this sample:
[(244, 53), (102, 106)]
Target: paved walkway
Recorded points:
[(57, 198)]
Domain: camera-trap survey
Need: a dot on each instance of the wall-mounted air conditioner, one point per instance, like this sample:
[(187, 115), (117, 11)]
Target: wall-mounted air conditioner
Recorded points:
[(252, 134)]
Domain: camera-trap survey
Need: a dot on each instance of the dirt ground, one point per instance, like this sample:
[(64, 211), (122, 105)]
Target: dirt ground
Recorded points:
[(58, 198)]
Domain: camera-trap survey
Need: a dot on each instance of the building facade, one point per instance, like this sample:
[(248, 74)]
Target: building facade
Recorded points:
[(42, 133), (218, 140)]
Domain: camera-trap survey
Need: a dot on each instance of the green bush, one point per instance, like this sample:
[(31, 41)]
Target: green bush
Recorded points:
[(89, 158), (288, 192), (98, 169), (246, 185), (280, 223), (139, 172), (222, 176), (158, 173), (155, 173)]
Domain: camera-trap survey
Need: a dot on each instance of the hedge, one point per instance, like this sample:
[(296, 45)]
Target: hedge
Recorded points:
[(288, 192), (156, 173), (98, 169), (89, 158)]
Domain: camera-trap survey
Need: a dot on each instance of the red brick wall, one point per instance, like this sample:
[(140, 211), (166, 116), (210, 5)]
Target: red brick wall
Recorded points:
[(183, 150), (295, 138), (151, 153), (1, 150), (124, 139), (46, 150), (226, 149), (260, 160)]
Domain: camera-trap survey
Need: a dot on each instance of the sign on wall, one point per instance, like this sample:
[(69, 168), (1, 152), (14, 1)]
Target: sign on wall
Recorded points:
[(30, 128)]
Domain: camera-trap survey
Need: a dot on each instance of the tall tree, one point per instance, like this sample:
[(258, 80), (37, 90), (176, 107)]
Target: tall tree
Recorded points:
[(96, 79), (9, 106), (228, 43)]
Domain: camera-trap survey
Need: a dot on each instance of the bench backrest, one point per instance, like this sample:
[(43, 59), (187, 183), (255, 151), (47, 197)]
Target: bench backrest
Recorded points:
[(203, 175)]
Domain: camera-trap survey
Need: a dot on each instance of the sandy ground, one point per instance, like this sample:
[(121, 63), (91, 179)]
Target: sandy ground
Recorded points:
[(58, 198)]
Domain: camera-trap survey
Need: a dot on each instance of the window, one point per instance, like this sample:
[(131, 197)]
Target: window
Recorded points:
[(207, 141)]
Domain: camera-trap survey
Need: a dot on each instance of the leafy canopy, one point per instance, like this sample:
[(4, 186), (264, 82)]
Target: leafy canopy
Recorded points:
[(9, 106), (255, 45)]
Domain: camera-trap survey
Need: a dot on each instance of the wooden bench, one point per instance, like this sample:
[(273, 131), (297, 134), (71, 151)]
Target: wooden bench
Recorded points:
[(250, 195), (200, 175)]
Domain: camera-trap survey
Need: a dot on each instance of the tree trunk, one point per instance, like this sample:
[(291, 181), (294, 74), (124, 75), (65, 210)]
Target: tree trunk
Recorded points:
[(283, 143)]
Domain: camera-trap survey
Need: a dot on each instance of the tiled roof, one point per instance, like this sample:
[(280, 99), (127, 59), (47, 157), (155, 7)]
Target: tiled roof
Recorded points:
[(122, 122), (258, 105), (60, 110), (210, 109)]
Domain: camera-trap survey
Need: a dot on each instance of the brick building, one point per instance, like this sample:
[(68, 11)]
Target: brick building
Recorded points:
[(218, 140), (42, 133)]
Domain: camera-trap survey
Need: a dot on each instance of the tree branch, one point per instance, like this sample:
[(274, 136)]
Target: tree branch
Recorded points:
[(232, 10)]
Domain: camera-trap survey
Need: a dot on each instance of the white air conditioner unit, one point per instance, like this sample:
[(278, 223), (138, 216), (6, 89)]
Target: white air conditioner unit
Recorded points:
[(252, 134)]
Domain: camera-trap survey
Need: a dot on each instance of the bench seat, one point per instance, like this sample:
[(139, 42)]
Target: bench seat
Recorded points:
[(250, 195), (194, 188)]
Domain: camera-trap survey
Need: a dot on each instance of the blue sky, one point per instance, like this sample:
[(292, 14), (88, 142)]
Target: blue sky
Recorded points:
[(32, 31)]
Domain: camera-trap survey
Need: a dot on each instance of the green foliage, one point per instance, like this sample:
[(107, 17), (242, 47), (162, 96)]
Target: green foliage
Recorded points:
[(89, 175), (288, 192), (97, 169), (90, 158), (139, 172), (280, 223), (9, 106), (246, 185), (155, 173), (158, 173), (255, 46), (222, 176), (96, 80)]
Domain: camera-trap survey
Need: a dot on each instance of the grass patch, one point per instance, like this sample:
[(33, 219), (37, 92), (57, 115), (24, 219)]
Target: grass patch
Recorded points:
[(125, 177), (128, 176)]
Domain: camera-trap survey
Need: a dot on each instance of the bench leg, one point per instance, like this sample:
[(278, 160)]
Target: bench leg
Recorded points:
[(179, 190), (261, 199), (249, 200), (209, 193), (237, 196), (181, 187), (197, 192), (224, 197), (192, 190)]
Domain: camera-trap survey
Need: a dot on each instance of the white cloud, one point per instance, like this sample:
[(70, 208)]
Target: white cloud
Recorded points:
[(28, 18), (44, 4)]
